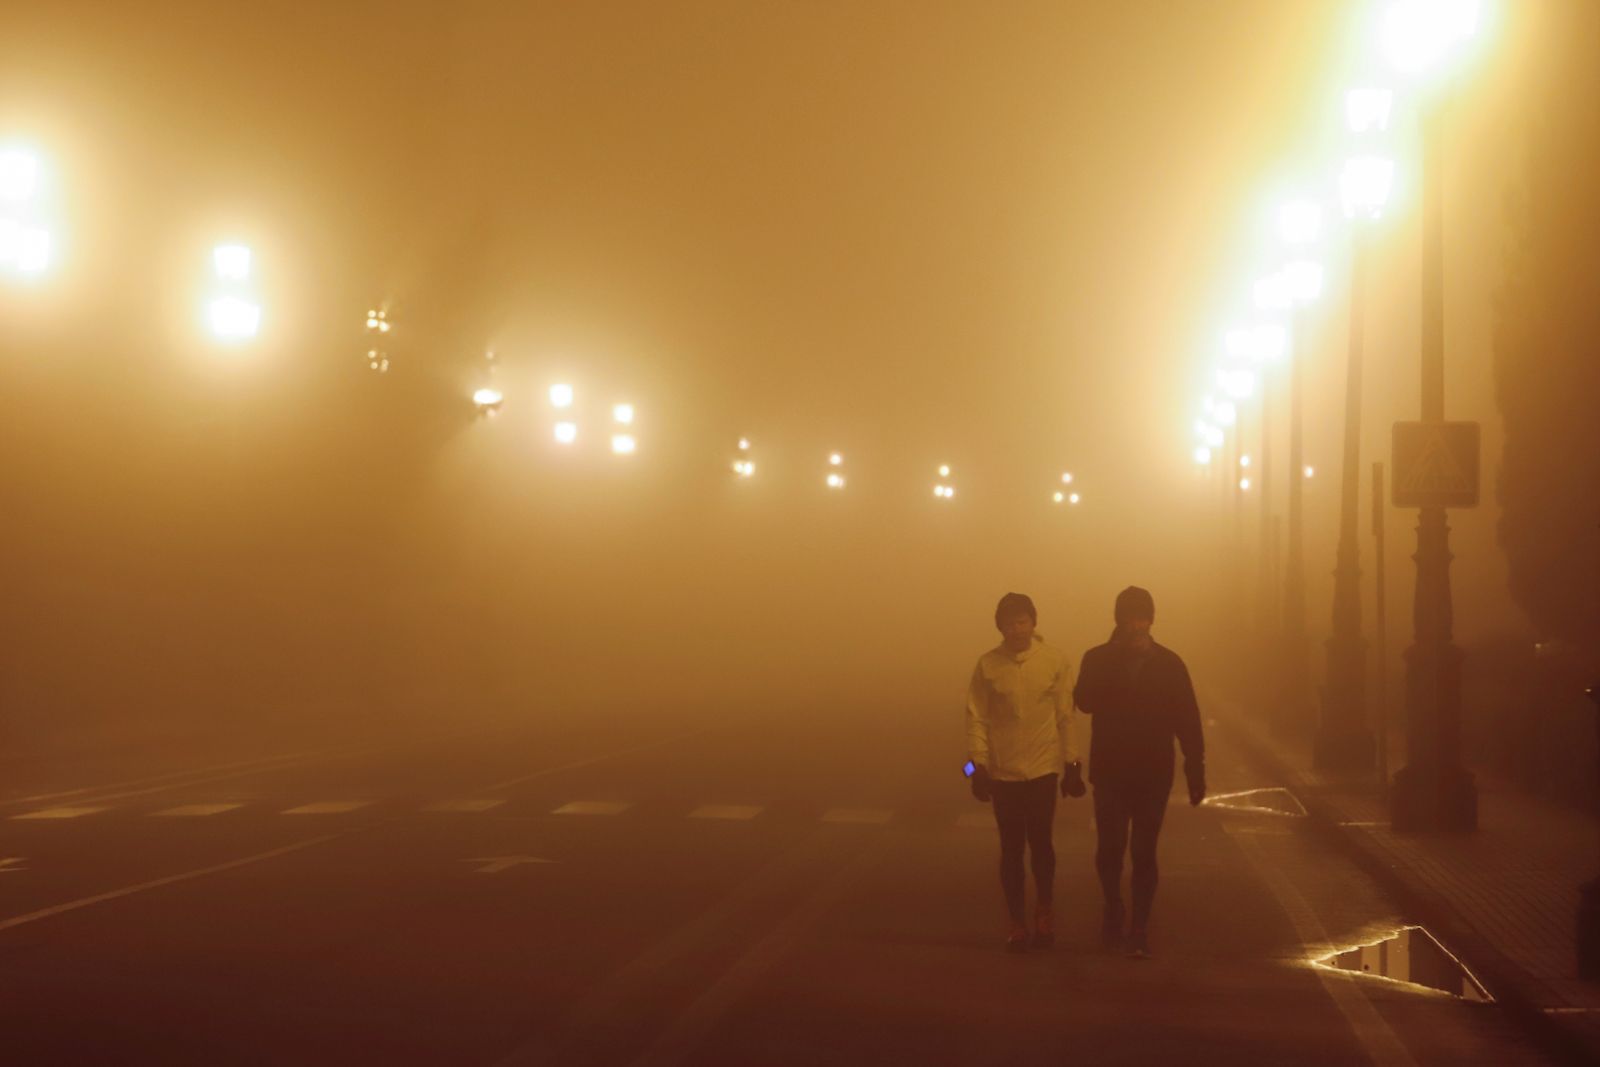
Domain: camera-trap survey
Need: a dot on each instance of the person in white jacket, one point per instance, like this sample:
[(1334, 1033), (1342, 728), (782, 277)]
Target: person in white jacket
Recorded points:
[(1021, 737)]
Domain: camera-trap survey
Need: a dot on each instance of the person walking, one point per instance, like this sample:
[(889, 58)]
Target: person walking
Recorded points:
[(1020, 740), (1138, 697)]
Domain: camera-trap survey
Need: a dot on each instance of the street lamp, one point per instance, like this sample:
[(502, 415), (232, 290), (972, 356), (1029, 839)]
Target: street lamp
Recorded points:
[(1425, 40), (232, 315)]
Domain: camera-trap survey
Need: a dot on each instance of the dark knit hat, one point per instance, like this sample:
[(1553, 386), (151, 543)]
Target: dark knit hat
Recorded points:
[(1134, 603), (1014, 604)]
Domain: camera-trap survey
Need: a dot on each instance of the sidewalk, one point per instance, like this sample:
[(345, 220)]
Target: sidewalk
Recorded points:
[(1504, 899)]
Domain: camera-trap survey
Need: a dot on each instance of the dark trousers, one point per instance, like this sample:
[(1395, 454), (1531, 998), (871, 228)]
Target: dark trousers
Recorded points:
[(1117, 809), (1025, 812)]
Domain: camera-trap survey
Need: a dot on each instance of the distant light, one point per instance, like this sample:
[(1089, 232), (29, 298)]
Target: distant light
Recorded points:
[(1244, 460), (744, 468), (561, 396), (835, 459), (1311, 472), (1225, 412), (944, 470), (1299, 223), (1074, 498), (1066, 478), (233, 319), (945, 492), (1273, 293), (488, 399), (25, 249), (622, 413), (1367, 110), (566, 433), (19, 174), (232, 262), (1237, 382), (1244, 483), (1058, 497), (622, 444), (1364, 186), (1272, 342), (1304, 280), (835, 481), (744, 444), (1202, 455), (1418, 35)]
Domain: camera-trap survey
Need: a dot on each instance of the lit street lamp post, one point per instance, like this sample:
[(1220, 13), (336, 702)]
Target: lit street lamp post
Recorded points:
[(1343, 738)]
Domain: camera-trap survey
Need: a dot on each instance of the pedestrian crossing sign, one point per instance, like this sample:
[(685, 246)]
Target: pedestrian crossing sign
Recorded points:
[(1435, 465)]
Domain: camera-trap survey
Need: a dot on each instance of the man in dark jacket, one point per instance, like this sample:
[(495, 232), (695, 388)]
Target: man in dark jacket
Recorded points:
[(1138, 698)]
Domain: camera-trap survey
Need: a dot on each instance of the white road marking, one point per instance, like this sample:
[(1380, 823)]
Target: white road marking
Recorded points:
[(14, 863), (128, 891), (976, 820), (858, 816), (183, 811), (592, 807), (467, 804), (726, 811), (496, 864), (58, 813), (329, 807)]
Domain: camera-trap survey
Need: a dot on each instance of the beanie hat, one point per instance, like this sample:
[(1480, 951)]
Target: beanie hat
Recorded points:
[(1134, 603)]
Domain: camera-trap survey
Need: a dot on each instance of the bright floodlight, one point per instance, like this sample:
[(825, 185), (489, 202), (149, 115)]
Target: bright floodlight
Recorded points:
[(1299, 223), (835, 481), (835, 459), (1202, 455), (1364, 185), (622, 444), (487, 399), (19, 174), (1304, 280), (1420, 35), (1367, 110), (233, 319), (566, 433), (561, 396), (232, 262), (25, 249), (622, 413)]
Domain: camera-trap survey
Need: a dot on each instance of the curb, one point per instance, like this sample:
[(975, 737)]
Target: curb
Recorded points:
[(1511, 987)]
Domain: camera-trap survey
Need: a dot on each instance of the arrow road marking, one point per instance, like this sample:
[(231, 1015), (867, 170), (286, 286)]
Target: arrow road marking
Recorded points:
[(496, 864)]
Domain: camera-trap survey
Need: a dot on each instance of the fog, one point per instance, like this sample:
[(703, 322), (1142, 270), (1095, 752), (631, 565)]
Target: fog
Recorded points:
[(1004, 238)]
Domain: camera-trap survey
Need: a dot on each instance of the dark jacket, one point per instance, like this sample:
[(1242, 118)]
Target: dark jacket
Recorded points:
[(1137, 704)]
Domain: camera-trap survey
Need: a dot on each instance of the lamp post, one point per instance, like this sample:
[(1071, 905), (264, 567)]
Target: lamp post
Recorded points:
[(1299, 226), (1344, 740), (1432, 791)]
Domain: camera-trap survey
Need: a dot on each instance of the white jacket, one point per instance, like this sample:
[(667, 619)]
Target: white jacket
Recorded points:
[(1020, 719)]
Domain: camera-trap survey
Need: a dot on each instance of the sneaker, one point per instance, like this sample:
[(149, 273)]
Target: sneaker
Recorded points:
[(1017, 938), (1138, 945), (1044, 934)]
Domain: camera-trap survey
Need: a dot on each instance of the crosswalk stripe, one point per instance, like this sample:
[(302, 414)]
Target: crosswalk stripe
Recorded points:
[(58, 813), (328, 807), (467, 804), (860, 816), (591, 807), (197, 810), (726, 811)]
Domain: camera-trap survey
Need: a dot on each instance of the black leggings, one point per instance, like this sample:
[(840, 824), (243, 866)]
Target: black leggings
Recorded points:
[(1115, 809), (1025, 812)]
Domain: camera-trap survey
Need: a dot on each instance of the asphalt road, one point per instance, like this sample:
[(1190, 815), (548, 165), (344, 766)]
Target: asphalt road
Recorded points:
[(616, 890)]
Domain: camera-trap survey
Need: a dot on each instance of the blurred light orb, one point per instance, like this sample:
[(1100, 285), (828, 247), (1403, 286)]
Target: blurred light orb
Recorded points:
[(231, 262), (234, 319), (1244, 460), (1417, 36), (835, 459), (944, 470), (1059, 497), (561, 396), (1303, 278), (19, 174), (1202, 455), (1367, 109), (744, 444), (622, 444), (24, 249), (1066, 478), (744, 468), (1364, 186), (622, 413), (1299, 222), (566, 433), (1311, 472), (1244, 483), (835, 481), (1074, 498), (488, 399)]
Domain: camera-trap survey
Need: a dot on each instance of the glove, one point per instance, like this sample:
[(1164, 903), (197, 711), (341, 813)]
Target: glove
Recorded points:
[(1072, 780), (980, 784), (1197, 783)]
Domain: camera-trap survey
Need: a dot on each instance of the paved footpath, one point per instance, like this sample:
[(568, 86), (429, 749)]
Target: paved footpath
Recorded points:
[(1504, 898)]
